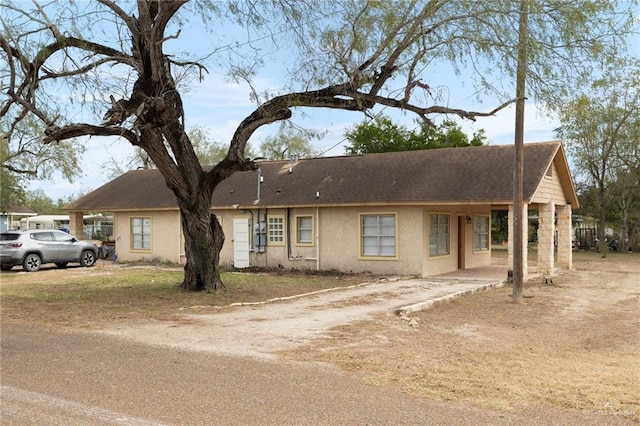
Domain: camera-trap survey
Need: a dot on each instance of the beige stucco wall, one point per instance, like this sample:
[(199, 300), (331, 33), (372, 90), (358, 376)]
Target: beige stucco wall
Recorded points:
[(340, 241), (165, 237), (458, 218), (476, 258), (335, 244)]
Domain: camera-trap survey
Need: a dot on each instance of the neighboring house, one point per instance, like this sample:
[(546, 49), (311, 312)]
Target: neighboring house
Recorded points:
[(95, 227), (10, 219), (417, 213), (46, 221)]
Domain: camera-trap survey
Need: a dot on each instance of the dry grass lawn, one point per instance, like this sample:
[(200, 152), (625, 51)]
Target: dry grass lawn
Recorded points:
[(108, 293), (573, 344)]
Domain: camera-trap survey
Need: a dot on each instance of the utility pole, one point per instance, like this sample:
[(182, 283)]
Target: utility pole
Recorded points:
[(518, 161)]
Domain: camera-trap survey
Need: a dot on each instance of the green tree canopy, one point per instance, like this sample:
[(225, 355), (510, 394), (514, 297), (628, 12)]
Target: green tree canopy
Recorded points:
[(23, 156), (383, 135), (38, 201), (289, 143), (208, 150), (12, 193), (600, 126)]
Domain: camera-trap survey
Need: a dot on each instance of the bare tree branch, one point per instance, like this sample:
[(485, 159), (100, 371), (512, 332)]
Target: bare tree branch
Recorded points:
[(54, 134)]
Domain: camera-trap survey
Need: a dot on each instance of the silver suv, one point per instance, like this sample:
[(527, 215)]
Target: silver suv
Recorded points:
[(34, 247)]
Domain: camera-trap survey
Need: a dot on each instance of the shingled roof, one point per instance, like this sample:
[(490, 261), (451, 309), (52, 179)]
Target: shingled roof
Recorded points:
[(440, 176)]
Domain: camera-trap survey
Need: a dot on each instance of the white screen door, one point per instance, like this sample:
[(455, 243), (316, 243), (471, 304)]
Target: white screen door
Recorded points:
[(241, 240)]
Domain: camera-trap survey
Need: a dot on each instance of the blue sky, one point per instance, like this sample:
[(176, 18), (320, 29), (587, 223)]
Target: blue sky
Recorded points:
[(219, 105)]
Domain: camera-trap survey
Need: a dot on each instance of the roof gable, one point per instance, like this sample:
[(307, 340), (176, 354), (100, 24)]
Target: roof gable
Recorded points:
[(448, 175)]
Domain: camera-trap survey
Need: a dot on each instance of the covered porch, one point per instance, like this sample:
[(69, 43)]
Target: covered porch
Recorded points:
[(554, 235), (552, 249)]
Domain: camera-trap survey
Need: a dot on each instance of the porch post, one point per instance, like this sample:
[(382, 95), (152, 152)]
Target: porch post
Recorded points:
[(76, 224), (546, 234), (565, 250)]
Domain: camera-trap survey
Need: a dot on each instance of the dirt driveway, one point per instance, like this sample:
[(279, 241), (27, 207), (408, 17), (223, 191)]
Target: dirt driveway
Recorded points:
[(262, 329), (571, 344)]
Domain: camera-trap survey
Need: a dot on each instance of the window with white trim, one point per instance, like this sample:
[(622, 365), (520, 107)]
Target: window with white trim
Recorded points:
[(304, 230), (378, 235), (481, 233), (439, 234), (141, 233), (275, 230)]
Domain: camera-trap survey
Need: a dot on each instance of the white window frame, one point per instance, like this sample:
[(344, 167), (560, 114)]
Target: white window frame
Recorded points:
[(481, 232), (439, 234), (304, 230), (382, 235), (276, 230), (145, 241)]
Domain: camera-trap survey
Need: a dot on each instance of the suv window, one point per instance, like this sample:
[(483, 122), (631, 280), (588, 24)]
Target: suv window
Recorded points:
[(62, 236), (9, 237), (42, 236)]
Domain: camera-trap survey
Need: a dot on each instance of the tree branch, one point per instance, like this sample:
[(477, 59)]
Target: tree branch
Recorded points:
[(10, 168), (53, 134), (128, 20)]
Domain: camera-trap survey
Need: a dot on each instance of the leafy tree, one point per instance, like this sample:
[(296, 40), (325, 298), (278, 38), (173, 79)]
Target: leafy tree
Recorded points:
[(38, 201), (12, 193), (120, 61), (598, 127), (625, 196), (588, 199), (137, 159), (628, 151), (288, 143), (208, 151), (383, 135), (23, 156)]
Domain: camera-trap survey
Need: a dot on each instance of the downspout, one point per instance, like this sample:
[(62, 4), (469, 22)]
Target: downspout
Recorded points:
[(317, 238), (288, 230), (251, 226)]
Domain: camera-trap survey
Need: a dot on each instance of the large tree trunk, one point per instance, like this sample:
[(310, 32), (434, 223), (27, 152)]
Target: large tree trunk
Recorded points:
[(204, 238)]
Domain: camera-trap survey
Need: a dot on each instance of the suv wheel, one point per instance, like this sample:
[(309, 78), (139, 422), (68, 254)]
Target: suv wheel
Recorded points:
[(88, 258), (32, 262), (5, 267)]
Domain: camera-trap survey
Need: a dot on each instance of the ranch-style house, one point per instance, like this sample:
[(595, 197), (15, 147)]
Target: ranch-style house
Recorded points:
[(420, 213)]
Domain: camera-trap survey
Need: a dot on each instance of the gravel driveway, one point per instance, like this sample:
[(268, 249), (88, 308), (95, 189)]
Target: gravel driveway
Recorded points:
[(261, 329)]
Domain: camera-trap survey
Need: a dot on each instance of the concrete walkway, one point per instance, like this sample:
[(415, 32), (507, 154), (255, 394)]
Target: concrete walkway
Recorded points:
[(261, 329)]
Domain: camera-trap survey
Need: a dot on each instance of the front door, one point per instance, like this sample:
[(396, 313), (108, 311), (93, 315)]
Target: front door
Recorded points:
[(461, 226), (241, 239)]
